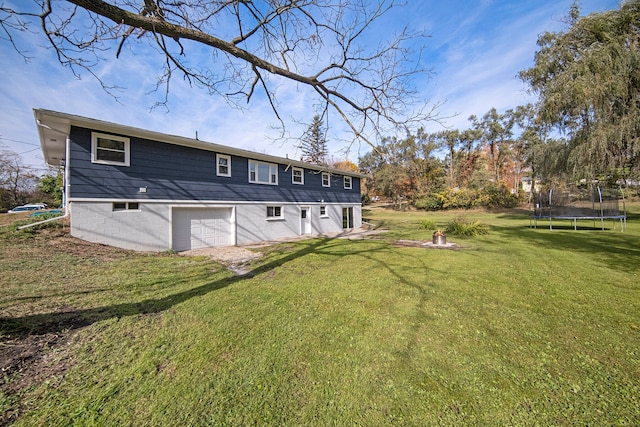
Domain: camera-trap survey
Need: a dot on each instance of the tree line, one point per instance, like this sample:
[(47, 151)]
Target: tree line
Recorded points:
[(584, 127), (21, 184), (455, 168)]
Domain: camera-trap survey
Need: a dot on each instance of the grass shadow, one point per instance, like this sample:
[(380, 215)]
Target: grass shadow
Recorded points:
[(67, 319)]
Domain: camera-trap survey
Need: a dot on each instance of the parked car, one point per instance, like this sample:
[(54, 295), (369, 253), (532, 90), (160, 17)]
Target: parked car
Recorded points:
[(29, 207)]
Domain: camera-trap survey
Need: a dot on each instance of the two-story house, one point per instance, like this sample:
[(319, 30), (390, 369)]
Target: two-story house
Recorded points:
[(144, 190)]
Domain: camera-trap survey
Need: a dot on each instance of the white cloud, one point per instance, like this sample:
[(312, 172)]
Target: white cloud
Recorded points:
[(476, 50), (480, 57)]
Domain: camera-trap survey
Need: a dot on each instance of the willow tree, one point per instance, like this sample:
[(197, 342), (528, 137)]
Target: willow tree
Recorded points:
[(333, 50), (588, 81)]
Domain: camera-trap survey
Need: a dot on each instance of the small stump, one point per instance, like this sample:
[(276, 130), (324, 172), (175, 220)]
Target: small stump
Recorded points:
[(439, 238)]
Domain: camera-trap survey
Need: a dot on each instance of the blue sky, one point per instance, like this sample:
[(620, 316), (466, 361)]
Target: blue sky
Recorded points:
[(475, 51)]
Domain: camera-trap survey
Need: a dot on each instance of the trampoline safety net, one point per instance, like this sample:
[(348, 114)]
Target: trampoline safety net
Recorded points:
[(596, 203)]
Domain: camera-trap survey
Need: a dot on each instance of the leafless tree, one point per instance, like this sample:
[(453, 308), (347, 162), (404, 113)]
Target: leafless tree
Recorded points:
[(331, 47), (16, 179)]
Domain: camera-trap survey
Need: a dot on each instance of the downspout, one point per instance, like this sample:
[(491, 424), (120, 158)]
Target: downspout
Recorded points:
[(65, 190), (65, 177)]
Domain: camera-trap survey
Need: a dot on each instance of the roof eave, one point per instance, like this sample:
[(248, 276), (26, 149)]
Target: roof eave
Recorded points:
[(51, 123)]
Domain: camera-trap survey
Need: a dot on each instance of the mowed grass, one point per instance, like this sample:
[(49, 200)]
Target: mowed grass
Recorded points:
[(518, 327)]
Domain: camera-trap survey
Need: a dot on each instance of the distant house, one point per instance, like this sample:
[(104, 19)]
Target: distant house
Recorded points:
[(144, 190), (528, 185)]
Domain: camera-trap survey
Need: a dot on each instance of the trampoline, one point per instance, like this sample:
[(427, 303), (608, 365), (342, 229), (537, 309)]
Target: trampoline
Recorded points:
[(596, 204)]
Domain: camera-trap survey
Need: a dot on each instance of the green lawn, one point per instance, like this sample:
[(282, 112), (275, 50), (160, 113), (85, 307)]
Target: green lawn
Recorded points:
[(518, 327)]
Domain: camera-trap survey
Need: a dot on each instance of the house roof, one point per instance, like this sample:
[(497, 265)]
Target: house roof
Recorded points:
[(54, 127)]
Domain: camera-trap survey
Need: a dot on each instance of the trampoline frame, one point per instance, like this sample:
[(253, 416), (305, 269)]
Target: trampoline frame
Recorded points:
[(599, 210)]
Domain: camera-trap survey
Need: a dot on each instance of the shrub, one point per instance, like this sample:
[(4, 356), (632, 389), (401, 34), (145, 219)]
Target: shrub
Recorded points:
[(459, 199), (631, 193), (428, 203), (428, 224), (496, 196), (463, 227), (491, 196)]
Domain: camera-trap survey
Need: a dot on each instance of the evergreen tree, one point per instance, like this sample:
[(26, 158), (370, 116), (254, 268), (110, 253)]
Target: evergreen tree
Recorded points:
[(314, 143)]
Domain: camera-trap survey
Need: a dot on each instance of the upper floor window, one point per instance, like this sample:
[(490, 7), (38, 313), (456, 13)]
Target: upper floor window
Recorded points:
[(347, 182), (223, 165), (109, 149), (326, 179), (263, 173), (297, 175)]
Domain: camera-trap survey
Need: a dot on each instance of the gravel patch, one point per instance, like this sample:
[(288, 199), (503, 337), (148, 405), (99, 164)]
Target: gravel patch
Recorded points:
[(428, 245), (225, 254), (237, 258)]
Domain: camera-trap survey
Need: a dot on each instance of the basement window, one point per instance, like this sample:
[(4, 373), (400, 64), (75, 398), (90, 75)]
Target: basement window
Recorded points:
[(274, 212), (126, 206)]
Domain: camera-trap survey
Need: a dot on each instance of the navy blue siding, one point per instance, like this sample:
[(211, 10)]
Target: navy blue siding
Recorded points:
[(172, 172)]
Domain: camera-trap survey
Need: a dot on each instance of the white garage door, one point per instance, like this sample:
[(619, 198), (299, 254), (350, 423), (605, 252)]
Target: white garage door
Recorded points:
[(195, 228)]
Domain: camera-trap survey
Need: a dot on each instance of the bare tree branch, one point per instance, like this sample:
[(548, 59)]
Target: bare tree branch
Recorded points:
[(324, 45)]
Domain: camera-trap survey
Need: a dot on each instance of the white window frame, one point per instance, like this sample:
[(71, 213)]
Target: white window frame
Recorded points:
[(347, 218), (128, 206), (218, 165), (253, 169), (323, 211), (326, 176), (293, 176), (348, 183), (271, 212), (95, 136)]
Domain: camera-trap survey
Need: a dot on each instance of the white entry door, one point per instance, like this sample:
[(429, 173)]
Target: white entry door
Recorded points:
[(305, 220)]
